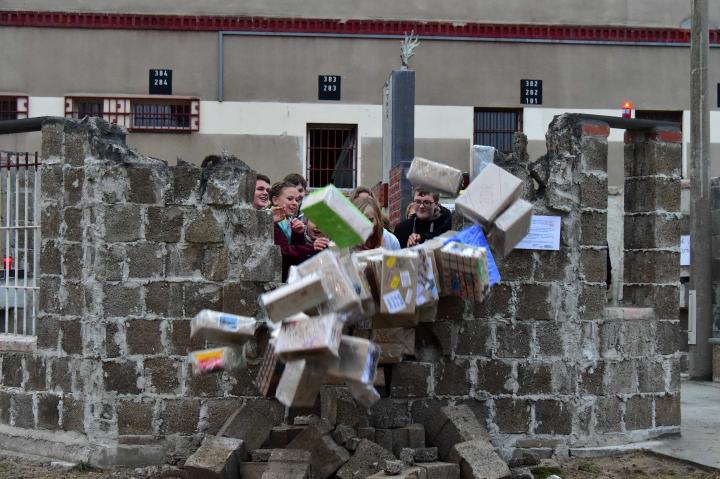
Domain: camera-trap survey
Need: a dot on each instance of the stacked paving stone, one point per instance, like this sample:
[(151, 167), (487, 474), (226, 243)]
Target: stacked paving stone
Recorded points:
[(132, 249)]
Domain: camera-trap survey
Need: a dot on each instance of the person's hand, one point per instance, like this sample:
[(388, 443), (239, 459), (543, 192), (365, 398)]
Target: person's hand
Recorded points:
[(321, 243), (413, 239), (278, 213), (297, 226)]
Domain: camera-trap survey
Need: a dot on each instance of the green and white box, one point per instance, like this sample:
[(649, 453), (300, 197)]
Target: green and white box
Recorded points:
[(337, 217)]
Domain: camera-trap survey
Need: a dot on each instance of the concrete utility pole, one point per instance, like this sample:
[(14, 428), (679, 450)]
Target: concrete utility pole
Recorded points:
[(700, 358)]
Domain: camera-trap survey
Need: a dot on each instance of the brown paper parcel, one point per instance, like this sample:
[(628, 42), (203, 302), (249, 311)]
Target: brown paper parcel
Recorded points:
[(299, 384), (510, 227), (302, 295), (488, 195), (434, 176), (357, 362)]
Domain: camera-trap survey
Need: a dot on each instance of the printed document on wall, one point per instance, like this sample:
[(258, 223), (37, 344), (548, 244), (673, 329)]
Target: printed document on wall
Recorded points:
[(544, 234)]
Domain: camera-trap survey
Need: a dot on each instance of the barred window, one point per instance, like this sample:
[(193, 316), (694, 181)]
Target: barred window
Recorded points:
[(495, 127), (169, 114), (331, 155), (13, 107)]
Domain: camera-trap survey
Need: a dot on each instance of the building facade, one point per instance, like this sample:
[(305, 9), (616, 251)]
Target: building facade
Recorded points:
[(299, 87)]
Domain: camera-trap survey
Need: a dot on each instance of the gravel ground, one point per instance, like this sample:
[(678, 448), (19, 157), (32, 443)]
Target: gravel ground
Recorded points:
[(631, 466)]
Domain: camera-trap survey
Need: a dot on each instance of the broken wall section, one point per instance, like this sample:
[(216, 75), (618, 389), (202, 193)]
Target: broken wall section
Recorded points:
[(131, 250)]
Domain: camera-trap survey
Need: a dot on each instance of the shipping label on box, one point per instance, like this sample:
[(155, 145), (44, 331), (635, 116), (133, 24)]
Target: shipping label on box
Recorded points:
[(434, 176), (398, 282), (308, 292), (357, 362), (219, 327), (427, 290), (216, 360), (488, 195), (465, 270), (318, 335)]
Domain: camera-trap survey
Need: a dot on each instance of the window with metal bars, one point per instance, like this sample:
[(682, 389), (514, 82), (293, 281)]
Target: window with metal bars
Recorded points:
[(495, 127), (13, 107), (169, 114), (331, 155)]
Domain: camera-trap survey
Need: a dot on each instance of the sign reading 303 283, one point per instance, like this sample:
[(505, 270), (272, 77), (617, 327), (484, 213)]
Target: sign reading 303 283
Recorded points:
[(329, 87)]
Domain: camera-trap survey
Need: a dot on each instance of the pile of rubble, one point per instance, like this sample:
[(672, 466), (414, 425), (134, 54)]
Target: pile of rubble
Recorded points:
[(453, 445)]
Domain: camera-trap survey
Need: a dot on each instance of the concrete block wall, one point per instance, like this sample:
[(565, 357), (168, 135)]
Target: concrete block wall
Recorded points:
[(131, 250), (545, 360)]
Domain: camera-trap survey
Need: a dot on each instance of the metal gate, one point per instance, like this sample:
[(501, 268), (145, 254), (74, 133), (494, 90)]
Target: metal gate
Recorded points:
[(19, 242)]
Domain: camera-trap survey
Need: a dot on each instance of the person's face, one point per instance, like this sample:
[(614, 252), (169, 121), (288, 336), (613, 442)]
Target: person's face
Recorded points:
[(301, 193), (262, 195), (363, 194), (424, 206), (288, 200)]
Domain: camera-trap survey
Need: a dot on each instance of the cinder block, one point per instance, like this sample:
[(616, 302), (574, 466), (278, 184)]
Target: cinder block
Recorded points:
[(594, 264), (593, 228), (48, 411), (513, 339), (326, 456), (593, 153), (454, 424), (121, 377), (122, 300), (143, 336), (452, 378), (217, 457), (654, 230), (549, 339), (638, 413), (145, 260), (493, 376), (534, 378), (478, 459), (593, 191), (620, 377), (651, 376), (144, 184), (204, 228), (663, 298), (73, 414), (337, 406), (667, 410), (180, 416), (536, 301), (122, 223), (288, 464), (389, 413), (366, 461), (163, 374), (474, 338), (253, 421), (608, 414), (668, 337), (516, 267), (553, 417), (551, 265), (164, 299), (164, 224), (411, 379), (651, 266), (135, 417), (512, 416), (650, 193), (185, 184)]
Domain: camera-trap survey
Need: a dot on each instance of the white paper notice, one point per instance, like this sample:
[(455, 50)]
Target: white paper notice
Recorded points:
[(685, 250), (544, 234)]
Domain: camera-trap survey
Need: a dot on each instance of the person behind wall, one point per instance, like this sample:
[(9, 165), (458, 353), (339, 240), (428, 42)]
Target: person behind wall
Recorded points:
[(429, 220), (363, 191), (296, 180), (261, 200), (289, 231), (380, 236)]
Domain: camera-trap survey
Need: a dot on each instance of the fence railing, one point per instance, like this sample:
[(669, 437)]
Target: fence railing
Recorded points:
[(19, 242)]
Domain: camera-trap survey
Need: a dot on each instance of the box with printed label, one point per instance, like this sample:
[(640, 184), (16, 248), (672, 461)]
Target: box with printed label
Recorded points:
[(465, 270), (217, 327), (398, 282), (357, 362), (317, 335), (216, 360), (488, 195)]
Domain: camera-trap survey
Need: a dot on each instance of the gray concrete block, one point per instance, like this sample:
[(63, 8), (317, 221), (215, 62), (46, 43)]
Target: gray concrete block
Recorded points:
[(253, 422), (326, 455), (367, 460), (339, 407), (441, 470), (411, 379), (217, 457), (512, 416), (454, 424), (288, 464), (203, 227), (478, 459)]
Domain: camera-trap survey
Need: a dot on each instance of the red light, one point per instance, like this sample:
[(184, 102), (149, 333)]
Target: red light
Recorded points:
[(7, 262), (627, 107)]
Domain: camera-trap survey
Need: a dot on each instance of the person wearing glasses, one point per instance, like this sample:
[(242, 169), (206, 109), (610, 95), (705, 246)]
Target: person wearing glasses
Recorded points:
[(429, 220)]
